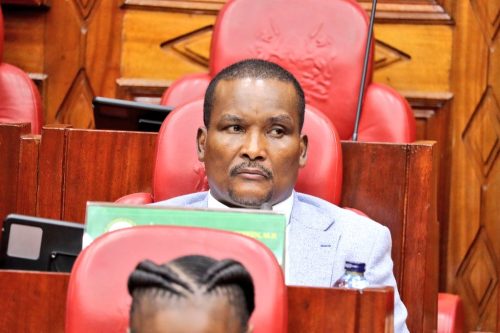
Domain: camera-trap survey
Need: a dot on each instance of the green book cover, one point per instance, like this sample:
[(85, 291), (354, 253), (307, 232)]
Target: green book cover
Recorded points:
[(265, 226)]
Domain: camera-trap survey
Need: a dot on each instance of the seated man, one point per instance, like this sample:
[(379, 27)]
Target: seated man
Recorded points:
[(252, 147), (191, 294)]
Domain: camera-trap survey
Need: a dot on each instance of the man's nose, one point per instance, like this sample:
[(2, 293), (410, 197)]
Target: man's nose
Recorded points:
[(254, 147)]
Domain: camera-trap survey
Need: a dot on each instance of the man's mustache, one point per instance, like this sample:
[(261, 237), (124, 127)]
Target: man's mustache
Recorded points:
[(250, 165)]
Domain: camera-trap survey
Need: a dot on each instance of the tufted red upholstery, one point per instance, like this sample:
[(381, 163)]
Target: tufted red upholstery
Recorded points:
[(97, 295), (177, 170), (325, 52), (20, 99)]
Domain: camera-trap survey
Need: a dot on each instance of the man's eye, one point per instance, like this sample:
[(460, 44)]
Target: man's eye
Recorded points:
[(277, 132), (235, 129)]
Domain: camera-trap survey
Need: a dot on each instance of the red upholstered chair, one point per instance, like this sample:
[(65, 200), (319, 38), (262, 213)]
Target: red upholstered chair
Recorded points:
[(98, 300), (322, 43), (20, 100), (177, 170), (450, 314)]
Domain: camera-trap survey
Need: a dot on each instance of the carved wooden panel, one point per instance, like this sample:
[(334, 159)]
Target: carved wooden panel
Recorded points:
[(24, 38), (423, 57), (473, 248), (167, 46), (79, 57), (72, 64)]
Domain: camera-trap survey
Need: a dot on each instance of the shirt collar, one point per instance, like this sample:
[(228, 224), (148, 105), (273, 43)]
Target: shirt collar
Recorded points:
[(283, 207)]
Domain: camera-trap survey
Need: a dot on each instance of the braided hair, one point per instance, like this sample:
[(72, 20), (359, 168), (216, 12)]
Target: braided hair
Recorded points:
[(194, 275)]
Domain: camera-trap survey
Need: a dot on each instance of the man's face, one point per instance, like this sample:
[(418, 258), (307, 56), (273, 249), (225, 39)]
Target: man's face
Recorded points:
[(252, 147)]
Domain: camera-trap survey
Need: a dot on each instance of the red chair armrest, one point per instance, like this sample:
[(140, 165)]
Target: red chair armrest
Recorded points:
[(136, 199), (450, 314)]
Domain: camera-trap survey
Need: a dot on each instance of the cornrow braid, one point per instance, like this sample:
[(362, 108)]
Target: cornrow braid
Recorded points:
[(230, 272), (150, 275), (193, 275)]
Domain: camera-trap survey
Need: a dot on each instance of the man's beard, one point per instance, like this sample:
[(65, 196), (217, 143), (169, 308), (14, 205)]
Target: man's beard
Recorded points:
[(249, 202)]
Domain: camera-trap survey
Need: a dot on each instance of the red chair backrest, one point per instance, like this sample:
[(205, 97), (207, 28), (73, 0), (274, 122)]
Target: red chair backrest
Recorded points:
[(20, 100), (321, 42), (177, 170), (98, 300)]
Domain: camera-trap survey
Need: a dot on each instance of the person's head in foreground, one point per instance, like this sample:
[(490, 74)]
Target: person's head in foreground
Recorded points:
[(194, 294), (252, 144)]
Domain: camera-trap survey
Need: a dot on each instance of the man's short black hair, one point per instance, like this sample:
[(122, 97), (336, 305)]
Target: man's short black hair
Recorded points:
[(256, 69), (184, 276)]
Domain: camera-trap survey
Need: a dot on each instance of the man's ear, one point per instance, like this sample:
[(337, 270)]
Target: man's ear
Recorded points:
[(201, 140), (304, 141)]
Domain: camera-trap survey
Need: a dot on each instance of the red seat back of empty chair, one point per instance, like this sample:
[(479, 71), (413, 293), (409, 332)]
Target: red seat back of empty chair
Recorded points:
[(322, 43)]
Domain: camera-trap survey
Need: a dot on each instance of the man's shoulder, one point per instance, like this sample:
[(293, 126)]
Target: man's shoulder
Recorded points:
[(345, 219), (198, 199)]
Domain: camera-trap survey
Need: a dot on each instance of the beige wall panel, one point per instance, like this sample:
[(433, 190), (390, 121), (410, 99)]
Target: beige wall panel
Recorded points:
[(24, 38), (429, 49), (144, 33)]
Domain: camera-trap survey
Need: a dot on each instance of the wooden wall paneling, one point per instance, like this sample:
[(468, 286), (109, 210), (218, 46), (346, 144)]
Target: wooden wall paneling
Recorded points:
[(473, 251), (32, 301), (402, 175), (27, 187), (340, 310), (35, 3), (362, 163), (10, 147), (82, 60), (199, 6), (413, 11), (50, 171), (376, 308), (36, 302), (413, 57), (421, 250), (103, 166), (24, 30), (24, 41), (64, 54), (103, 48), (313, 304), (162, 45), (153, 41)]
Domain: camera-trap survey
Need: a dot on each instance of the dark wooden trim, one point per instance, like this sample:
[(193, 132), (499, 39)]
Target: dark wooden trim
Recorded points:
[(189, 6), (28, 174), (32, 301), (419, 13), (51, 165), (10, 148)]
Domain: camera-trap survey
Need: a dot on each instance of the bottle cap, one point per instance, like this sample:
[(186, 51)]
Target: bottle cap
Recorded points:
[(355, 266)]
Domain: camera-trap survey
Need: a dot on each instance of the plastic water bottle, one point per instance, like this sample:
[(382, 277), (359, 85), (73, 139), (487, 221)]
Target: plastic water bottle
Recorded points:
[(354, 276)]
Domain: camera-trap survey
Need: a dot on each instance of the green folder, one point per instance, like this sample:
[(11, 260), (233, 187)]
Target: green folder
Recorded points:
[(265, 226)]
